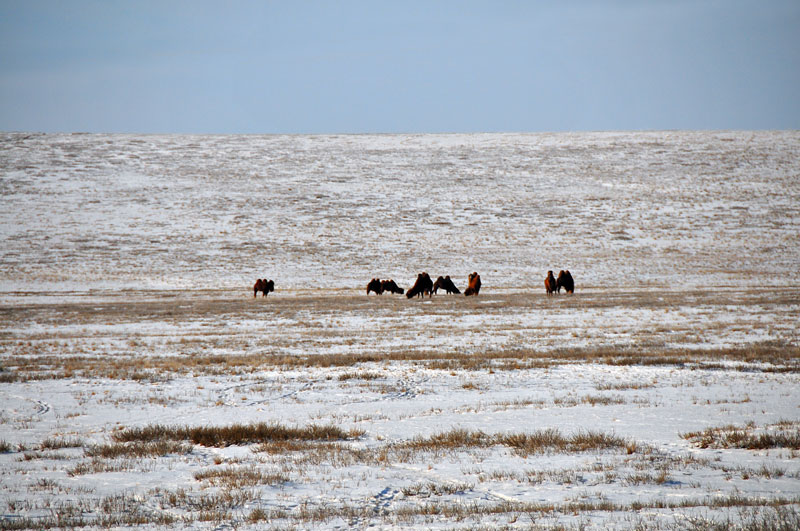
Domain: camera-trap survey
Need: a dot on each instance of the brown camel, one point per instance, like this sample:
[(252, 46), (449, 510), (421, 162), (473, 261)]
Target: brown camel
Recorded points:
[(446, 284), (423, 285), (473, 284), (550, 283), (391, 287), (375, 285), (263, 285), (565, 281)]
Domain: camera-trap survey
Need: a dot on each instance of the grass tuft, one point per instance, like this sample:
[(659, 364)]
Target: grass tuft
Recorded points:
[(139, 449), (541, 441), (236, 434), (57, 444), (780, 436), (240, 477)]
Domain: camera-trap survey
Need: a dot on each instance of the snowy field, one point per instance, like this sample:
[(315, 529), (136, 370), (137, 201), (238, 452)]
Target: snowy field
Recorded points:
[(141, 383)]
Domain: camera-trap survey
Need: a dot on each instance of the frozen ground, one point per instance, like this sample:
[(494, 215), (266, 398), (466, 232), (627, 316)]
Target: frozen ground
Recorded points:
[(664, 393), (642, 209)]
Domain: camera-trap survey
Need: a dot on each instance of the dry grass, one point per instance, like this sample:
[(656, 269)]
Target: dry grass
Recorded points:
[(360, 375), (216, 503), (236, 434), (65, 518), (523, 444), (99, 465), (623, 386), (240, 477), (779, 518), (782, 435), (767, 357), (57, 444), (454, 511), (551, 440), (138, 449), (754, 513), (45, 341), (340, 454)]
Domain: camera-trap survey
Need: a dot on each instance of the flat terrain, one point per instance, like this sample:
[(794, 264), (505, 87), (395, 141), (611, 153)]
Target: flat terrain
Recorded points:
[(606, 409), (141, 383)]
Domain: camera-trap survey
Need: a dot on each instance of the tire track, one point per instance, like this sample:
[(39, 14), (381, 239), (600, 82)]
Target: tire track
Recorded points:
[(41, 407)]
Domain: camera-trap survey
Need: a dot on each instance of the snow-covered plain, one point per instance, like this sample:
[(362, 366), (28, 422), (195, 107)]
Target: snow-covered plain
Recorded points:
[(126, 266)]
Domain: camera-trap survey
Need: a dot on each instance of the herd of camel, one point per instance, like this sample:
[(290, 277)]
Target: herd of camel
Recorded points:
[(425, 286)]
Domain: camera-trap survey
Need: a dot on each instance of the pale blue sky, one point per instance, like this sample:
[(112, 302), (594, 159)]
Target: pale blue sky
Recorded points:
[(412, 66)]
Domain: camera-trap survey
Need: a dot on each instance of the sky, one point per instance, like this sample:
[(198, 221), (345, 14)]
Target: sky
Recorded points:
[(368, 66)]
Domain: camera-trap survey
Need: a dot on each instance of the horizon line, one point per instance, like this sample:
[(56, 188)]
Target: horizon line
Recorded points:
[(406, 133)]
